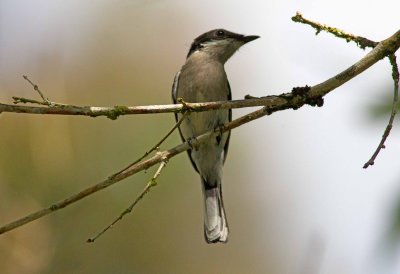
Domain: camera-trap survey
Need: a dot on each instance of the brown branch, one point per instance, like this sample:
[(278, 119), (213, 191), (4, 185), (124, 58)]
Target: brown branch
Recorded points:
[(296, 99), (116, 111), (146, 164)]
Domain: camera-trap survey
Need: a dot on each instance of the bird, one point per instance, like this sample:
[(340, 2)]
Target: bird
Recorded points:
[(203, 79)]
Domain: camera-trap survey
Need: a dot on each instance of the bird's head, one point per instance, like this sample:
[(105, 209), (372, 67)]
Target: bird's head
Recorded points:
[(219, 44)]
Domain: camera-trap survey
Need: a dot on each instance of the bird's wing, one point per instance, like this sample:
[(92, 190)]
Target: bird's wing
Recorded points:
[(175, 89), (174, 98), (230, 119)]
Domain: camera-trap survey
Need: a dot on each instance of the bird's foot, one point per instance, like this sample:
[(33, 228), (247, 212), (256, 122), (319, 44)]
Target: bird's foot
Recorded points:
[(193, 143), (220, 130)]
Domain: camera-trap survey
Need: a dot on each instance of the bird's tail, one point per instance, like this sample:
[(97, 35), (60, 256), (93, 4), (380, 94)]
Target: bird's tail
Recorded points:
[(215, 225)]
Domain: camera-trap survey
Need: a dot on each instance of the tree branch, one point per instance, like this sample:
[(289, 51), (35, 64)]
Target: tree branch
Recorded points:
[(383, 49), (293, 100), (362, 42), (395, 76)]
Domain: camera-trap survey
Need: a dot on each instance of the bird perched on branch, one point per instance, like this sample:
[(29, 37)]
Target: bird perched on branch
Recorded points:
[(203, 79)]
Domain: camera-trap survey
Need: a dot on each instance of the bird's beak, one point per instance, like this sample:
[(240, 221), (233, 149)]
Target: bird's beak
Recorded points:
[(249, 38)]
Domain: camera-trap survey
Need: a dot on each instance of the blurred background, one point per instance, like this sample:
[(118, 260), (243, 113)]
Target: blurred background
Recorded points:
[(297, 198)]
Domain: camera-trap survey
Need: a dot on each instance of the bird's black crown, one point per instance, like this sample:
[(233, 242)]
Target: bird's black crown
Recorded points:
[(216, 34)]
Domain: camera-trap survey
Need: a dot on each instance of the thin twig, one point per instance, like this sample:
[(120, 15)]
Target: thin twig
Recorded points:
[(50, 105), (150, 184), (361, 42), (156, 146), (22, 100), (36, 88), (45, 102), (395, 76), (146, 190)]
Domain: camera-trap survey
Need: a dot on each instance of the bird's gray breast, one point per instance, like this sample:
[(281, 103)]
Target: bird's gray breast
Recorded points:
[(203, 81)]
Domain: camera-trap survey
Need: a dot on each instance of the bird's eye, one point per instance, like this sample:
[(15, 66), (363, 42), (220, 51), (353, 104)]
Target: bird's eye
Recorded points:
[(220, 33)]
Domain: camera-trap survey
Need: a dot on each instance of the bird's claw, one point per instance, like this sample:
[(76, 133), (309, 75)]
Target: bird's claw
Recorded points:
[(193, 143), (220, 130)]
